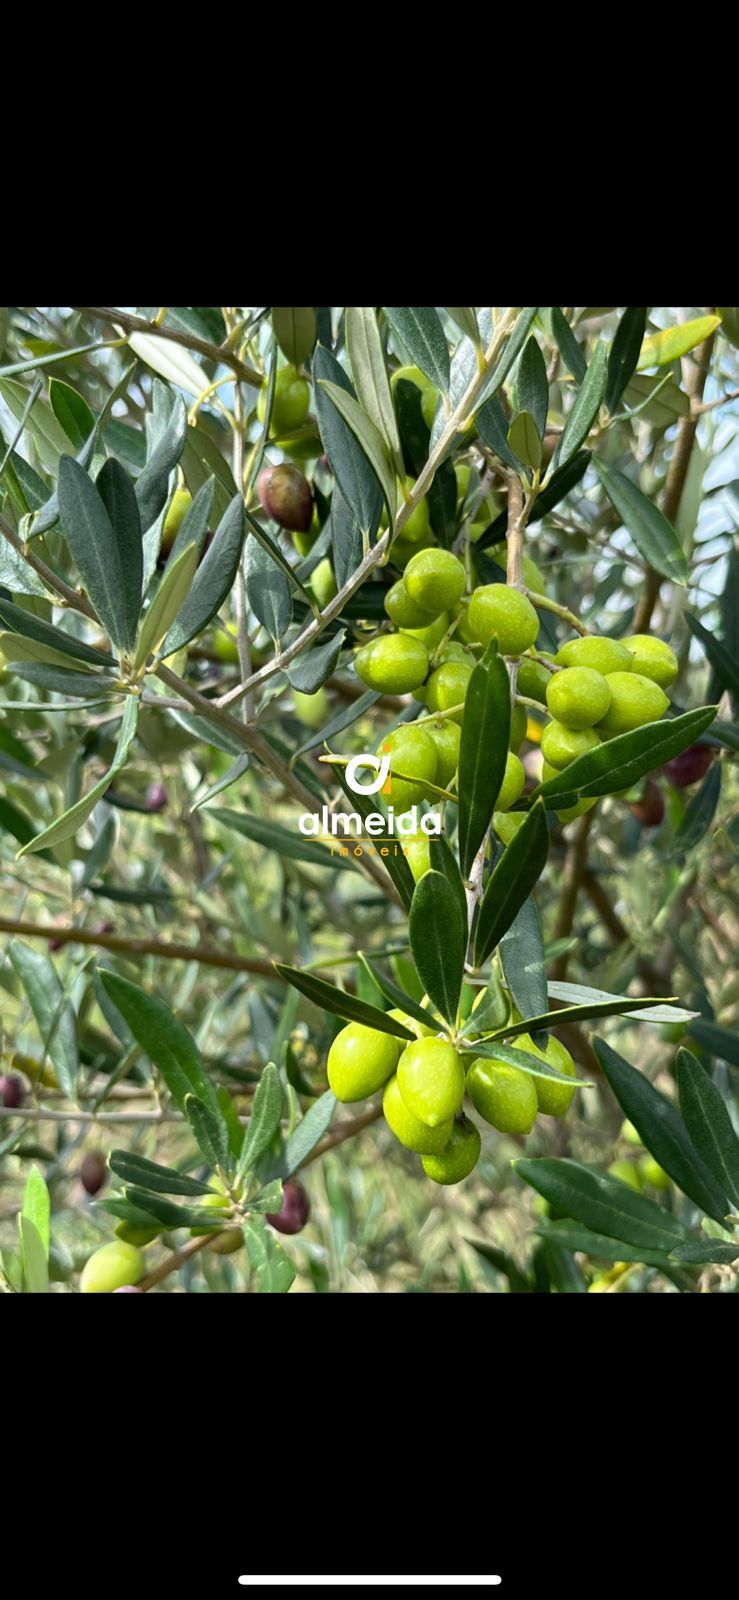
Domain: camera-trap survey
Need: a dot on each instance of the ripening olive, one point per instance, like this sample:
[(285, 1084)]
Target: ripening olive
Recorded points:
[(431, 1080), (603, 655), (504, 613), (181, 503), (286, 496), (553, 1098), (635, 700), (504, 1095), (561, 745), (579, 696), (114, 1266), (447, 687), (459, 1157), (295, 1209), (435, 579), (93, 1171), (394, 663), (652, 658), (360, 1061), (402, 610), (445, 737), (412, 1133)]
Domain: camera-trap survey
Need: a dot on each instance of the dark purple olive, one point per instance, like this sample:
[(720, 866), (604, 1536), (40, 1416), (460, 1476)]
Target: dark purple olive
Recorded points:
[(650, 809), (93, 1171), (156, 797), (286, 496), (103, 927), (12, 1091), (295, 1209), (689, 767), (128, 1288)]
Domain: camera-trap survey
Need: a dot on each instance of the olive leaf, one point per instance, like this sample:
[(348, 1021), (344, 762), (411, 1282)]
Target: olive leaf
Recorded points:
[(483, 752), (437, 931), (511, 881)]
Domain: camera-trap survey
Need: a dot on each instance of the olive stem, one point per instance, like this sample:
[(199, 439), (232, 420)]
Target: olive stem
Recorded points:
[(545, 604), (189, 341)]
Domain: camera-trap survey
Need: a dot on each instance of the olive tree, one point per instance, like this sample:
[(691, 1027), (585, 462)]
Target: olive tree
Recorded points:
[(368, 825)]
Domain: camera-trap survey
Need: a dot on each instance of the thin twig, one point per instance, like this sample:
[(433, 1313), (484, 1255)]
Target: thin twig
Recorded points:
[(190, 341)]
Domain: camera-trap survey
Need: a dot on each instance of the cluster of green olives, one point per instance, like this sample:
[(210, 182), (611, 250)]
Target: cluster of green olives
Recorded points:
[(424, 1084)]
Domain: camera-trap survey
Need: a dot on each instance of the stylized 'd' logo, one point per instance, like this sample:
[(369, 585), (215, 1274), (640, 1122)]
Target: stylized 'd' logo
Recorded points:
[(381, 767)]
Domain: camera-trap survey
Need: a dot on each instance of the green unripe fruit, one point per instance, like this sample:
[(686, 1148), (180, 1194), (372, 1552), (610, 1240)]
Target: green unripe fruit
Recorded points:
[(445, 737), (429, 403), (290, 404), (138, 1236), (447, 687), (634, 701), (435, 579), (181, 503), (395, 663), (113, 1266), (227, 1241), (512, 786), (578, 696), (210, 1202), (323, 583), (303, 448), (519, 723), (462, 475), (652, 658), (432, 633), (652, 1173), (415, 1135), (360, 1061), (626, 1172), (561, 745), (431, 1080), (533, 680), (418, 524), (224, 644), (403, 551), (577, 810), (452, 651), (312, 709), (504, 613), (507, 826), (603, 655), (504, 1095), (420, 1029), (417, 855), (630, 1134), (553, 1098), (411, 375), (403, 611), (464, 630), (532, 576), (459, 1156), (413, 754)]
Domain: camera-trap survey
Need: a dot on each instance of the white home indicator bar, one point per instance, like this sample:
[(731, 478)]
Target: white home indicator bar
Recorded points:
[(438, 1582)]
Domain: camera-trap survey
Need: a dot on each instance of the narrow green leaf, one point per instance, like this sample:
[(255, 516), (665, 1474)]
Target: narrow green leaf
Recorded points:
[(660, 400), (31, 627), (37, 1207), (603, 1204), (309, 1132), (68, 824), (399, 999), (170, 1216), (532, 386), (166, 434), (370, 440), (559, 486), (724, 665), (213, 580), (264, 1122), (268, 590), (569, 346), (72, 411), (523, 438), (352, 471), (135, 1169), (581, 994), (503, 1263), (34, 1258), (86, 686), (708, 1122), (344, 719), (620, 1007), (438, 938), (164, 1039), (624, 354), (17, 647), (699, 813), (711, 1251), (442, 859), (415, 438), (663, 1131), (270, 546), (465, 319), (295, 329), (274, 1270), (268, 1199), (652, 534), (619, 763), (483, 752), (329, 998), (586, 407), (420, 330), (570, 1237), (95, 550), (521, 953), (210, 1132), (492, 425), (165, 607), (719, 1041), (511, 882), (52, 1011), (315, 666), (371, 381), (496, 1050), (118, 496), (672, 343), (283, 841)]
